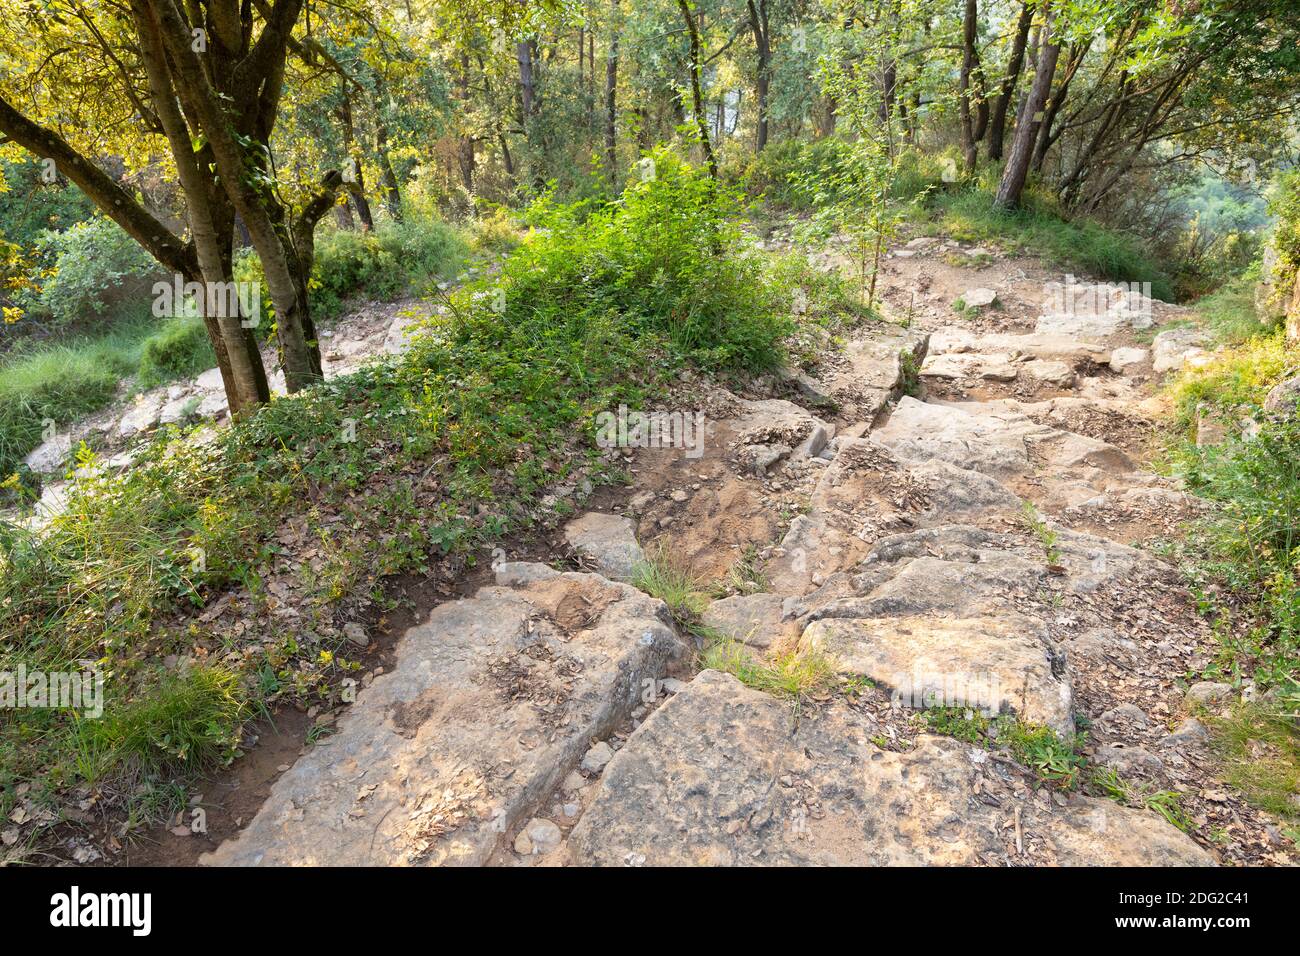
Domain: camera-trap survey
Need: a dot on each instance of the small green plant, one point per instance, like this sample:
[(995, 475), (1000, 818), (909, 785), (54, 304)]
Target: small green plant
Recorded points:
[(909, 373), (1167, 803), (1043, 751), (1046, 535), (794, 675), (662, 578), (963, 723)]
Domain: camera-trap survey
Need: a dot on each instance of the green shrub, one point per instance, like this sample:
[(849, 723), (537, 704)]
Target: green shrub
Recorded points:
[(1229, 311), (99, 270), (495, 233), (1233, 386), (58, 383), (666, 261), (180, 349), (789, 173), (191, 719), (1252, 542)]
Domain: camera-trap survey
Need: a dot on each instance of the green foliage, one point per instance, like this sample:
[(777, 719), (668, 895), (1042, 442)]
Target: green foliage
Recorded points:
[(61, 382), (30, 207), (796, 175), (1229, 313), (1252, 541), (794, 675), (661, 577), (963, 723), (1167, 803), (1047, 536), (1052, 758), (496, 404), (1286, 208), (1233, 386), (57, 383), (495, 232), (666, 262), (1043, 751), (99, 270), (394, 260), (189, 720), (179, 349), (1261, 751)]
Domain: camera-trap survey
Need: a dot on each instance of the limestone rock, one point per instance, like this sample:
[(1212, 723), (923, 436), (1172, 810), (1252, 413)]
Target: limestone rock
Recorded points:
[(51, 454), (996, 664), (609, 540), (1207, 693), (1122, 359), (490, 703), (595, 759), (979, 298), (141, 416), (956, 366), (1284, 397), (720, 775), (1173, 347), (752, 619)]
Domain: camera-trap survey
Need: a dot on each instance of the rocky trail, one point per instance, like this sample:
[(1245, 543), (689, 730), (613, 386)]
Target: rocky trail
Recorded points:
[(949, 511), (951, 507)]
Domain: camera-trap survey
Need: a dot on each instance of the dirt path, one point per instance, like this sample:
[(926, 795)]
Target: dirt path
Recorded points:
[(975, 542)]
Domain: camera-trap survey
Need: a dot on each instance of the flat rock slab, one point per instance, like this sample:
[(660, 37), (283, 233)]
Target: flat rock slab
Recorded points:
[(609, 541), (723, 775), (756, 620), (1172, 348), (491, 702), (993, 439), (868, 493), (990, 366), (1035, 345), (995, 665)]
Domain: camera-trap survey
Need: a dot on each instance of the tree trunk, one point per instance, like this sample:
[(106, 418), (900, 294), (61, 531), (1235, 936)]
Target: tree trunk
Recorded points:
[(356, 183), (527, 89), (1015, 63), (611, 96), (392, 194), (465, 149), (969, 23), (697, 95), (1055, 102), (758, 24), (1029, 119)]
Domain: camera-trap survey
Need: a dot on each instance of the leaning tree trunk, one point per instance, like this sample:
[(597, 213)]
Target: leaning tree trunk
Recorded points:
[(697, 95), (212, 224), (611, 96), (1016, 62), (1028, 121), (758, 23)]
